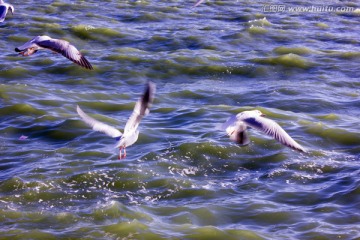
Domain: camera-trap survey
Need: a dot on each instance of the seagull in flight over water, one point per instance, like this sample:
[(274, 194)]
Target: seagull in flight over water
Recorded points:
[(4, 8), (131, 132), (198, 3), (57, 45), (236, 127)]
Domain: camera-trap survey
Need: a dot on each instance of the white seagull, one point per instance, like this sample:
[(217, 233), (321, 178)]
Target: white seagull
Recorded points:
[(198, 3), (131, 132), (4, 8), (236, 128), (56, 45)]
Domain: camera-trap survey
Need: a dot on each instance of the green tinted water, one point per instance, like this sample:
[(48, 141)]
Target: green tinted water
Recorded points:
[(183, 179)]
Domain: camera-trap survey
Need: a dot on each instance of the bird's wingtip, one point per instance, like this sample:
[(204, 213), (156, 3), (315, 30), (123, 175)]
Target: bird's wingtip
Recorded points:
[(79, 110), (150, 91), (304, 150), (151, 85)]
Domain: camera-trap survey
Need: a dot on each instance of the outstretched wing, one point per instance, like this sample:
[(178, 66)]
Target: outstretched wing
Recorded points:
[(141, 108), (198, 3), (274, 130), (67, 50), (98, 126), (229, 122), (3, 11)]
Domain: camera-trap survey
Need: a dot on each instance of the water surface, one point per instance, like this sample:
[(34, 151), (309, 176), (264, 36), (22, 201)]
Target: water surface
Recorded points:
[(183, 179)]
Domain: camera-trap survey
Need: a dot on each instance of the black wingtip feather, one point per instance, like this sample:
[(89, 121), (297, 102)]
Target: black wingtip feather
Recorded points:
[(147, 97), (83, 62), (86, 63)]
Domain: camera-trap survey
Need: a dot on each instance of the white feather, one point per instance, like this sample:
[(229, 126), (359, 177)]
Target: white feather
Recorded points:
[(57, 45), (131, 132), (98, 126), (255, 120), (4, 8), (198, 3)]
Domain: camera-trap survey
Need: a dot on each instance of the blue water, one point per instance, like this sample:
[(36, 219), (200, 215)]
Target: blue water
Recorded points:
[(183, 178)]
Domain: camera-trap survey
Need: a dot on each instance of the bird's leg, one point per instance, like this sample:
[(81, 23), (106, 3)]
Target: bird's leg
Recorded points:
[(122, 148), (120, 152)]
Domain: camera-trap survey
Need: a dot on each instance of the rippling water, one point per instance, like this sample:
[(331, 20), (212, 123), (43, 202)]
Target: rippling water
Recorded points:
[(183, 179)]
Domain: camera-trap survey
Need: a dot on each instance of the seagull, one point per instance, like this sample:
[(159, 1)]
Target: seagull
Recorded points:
[(56, 45), (236, 129), (198, 3), (4, 8), (131, 132)]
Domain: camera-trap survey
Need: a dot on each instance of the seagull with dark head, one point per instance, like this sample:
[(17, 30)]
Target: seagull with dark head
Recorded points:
[(57, 45), (131, 132), (236, 127), (4, 8)]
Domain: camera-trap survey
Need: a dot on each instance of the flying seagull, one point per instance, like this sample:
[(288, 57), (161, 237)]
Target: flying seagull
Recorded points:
[(56, 45), (198, 3), (131, 132), (4, 8), (236, 128)]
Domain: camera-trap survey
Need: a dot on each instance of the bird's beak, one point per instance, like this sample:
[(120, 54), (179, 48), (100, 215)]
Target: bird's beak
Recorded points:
[(263, 115)]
